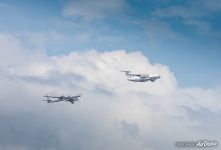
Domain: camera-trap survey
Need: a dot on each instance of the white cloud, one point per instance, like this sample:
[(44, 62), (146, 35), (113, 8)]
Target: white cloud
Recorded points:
[(96, 9), (41, 39), (113, 112), (12, 50)]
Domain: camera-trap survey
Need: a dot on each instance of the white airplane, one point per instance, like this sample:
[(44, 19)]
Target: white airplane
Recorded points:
[(141, 77), (70, 99)]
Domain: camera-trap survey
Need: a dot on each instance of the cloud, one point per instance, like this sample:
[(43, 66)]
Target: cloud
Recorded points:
[(96, 9), (191, 10), (113, 112), (12, 50), (177, 11), (40, 39), (8, 8), (210, 5), (198, 15), (154, 28)]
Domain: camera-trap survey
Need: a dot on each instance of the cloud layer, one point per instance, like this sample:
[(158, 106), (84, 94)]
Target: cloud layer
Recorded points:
[(112, 114)]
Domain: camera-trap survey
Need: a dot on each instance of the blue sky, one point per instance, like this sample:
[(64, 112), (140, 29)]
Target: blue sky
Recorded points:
[(183, 35)]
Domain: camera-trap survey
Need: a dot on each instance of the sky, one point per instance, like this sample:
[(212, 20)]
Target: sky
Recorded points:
[(184, 35), (79, 46)]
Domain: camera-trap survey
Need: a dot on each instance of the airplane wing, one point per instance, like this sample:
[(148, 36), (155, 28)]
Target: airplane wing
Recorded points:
[(77, 96), (141, 75), (73, 98), (60, 97), (144, 76), (51, 96), (51, 101), (58, 100)]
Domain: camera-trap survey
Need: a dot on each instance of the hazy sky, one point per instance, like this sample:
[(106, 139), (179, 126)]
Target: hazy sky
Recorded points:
[(79, 46)]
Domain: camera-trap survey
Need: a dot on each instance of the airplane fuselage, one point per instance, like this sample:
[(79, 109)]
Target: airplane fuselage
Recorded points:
[(141, 77), (137, 79), (70, 99)]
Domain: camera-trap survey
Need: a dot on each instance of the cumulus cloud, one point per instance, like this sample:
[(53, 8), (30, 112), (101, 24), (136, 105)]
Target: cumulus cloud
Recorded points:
[(113, 112)]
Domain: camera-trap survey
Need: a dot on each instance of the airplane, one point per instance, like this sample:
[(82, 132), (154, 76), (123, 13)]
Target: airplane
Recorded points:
[(70, 99), (141, 77)]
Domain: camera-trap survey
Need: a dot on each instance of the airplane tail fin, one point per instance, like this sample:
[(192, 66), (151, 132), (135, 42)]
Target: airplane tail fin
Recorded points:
[(126, 72), (46, 96), (47, 100), (78, 95)]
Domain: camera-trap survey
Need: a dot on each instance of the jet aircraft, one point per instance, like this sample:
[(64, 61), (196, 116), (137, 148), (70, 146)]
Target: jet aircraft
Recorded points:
[(141, 77), (70, 99)]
